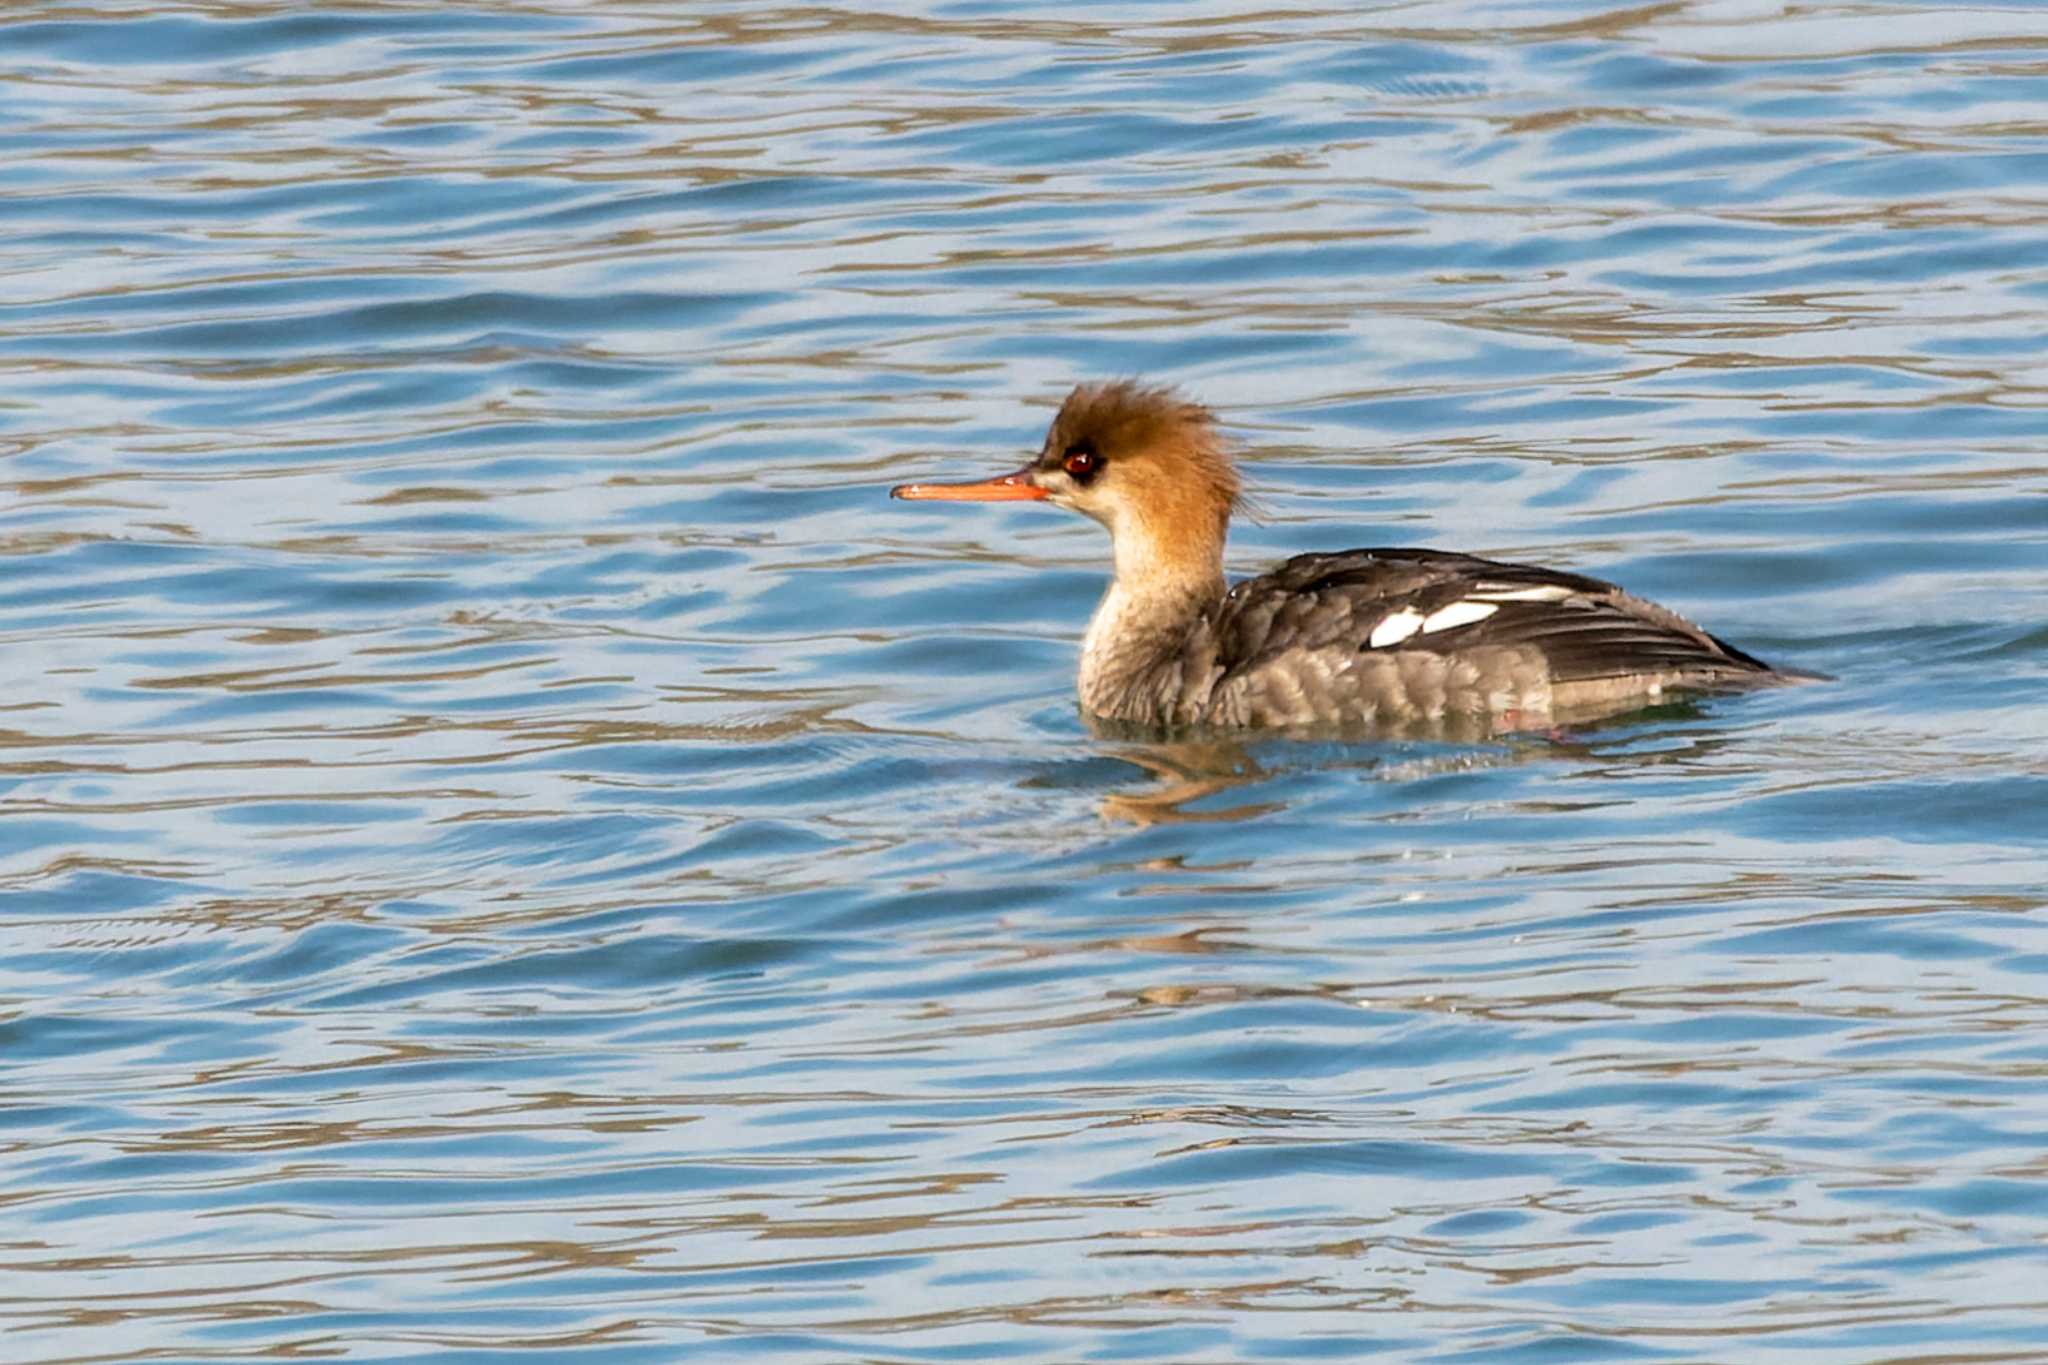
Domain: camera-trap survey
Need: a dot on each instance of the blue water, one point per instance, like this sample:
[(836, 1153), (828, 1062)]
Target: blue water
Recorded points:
[(515, 849)]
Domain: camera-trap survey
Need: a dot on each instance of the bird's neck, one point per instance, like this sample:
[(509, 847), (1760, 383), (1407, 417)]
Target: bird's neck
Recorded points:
[(1165, 586)]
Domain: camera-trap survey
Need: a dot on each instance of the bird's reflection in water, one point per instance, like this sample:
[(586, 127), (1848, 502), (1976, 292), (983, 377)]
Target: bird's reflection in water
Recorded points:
[(1187, 769)]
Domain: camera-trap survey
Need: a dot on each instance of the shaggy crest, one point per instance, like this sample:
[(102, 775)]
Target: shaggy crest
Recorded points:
[(1151, 436)]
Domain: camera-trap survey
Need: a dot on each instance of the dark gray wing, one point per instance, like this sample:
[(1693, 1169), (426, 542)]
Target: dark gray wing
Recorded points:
[(1404, 599)]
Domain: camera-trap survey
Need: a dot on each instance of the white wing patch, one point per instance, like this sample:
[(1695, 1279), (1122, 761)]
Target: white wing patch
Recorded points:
[(1462, 613), (1398, 626), (1474, 607), (1392, 630), (1543, 592)]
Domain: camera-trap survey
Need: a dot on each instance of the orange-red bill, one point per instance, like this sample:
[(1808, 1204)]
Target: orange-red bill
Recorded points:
[(1015, 487)]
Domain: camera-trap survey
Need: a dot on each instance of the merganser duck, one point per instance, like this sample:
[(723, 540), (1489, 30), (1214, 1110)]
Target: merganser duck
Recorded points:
[(1371, 638)]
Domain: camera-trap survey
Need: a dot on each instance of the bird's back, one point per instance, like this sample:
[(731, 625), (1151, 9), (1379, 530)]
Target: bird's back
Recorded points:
[(1395, 636)]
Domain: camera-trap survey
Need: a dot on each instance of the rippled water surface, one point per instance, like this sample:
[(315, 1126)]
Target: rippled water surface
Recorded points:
[(515, 849)]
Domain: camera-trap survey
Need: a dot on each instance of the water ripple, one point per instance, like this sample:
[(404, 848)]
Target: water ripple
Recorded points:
[(515, 847)]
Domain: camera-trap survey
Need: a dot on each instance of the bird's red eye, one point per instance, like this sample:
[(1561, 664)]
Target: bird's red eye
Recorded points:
[(1081, 461)]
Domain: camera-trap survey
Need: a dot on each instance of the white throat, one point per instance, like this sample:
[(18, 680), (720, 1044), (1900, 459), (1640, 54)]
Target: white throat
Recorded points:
[(1143, 621)]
